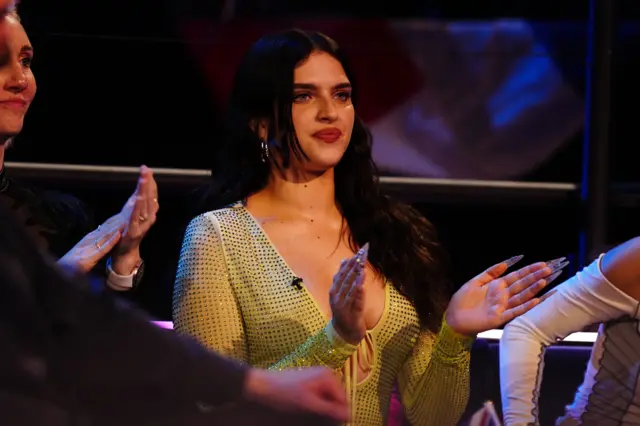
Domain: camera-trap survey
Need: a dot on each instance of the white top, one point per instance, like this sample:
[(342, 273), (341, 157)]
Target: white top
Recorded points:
[(609, 395), (119, 282)]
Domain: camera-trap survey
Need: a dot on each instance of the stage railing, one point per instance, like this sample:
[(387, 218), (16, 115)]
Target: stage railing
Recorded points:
[(408, 188)]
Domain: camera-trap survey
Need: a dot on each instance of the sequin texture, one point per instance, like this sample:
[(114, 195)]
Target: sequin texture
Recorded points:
[(233, 293)]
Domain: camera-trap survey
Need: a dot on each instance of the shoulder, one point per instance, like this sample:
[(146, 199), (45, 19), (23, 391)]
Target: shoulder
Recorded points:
[(224, 219), (620, 267), (65, 216), (61, 210), (68, 208), (64, 209), (71, 216), (228, 220)]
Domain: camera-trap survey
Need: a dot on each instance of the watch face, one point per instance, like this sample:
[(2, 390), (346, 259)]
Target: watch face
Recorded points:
[(137, 277)]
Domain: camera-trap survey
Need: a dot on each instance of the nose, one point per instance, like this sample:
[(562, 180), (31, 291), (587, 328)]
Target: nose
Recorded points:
[(328, 111), (17, 81)]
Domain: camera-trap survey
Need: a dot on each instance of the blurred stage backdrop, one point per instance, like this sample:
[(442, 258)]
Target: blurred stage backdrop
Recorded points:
[(451, 90)]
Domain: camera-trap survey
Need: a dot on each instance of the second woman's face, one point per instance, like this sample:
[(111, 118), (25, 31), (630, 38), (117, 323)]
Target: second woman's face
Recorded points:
[(17, 83), (322, 111)]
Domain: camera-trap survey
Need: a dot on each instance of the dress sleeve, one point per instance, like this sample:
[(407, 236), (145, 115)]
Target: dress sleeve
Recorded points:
[(434, 381), (325, 348), (204, 303), (585, 299)]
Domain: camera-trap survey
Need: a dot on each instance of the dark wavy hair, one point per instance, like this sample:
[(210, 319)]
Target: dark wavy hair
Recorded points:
[(403, 244)]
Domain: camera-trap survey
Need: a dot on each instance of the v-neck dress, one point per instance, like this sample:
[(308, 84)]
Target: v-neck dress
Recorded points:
[(234, 293)]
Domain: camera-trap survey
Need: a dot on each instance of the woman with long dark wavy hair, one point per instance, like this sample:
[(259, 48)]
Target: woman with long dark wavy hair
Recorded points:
[(296, 192)]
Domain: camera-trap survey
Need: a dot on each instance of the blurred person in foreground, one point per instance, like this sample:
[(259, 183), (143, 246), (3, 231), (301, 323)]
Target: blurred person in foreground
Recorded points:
[(606, 292), (59, 222), (73, 354)]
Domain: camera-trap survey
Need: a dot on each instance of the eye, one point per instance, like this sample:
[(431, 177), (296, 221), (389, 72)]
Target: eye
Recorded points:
[(344, 96), (26, 61), (301, 97)]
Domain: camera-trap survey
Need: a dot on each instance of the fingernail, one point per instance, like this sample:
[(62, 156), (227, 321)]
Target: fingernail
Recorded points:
[(513, 260), (547, 295), (553, 262), (365, 251), (362, 253), (559, 266), (552, 277)]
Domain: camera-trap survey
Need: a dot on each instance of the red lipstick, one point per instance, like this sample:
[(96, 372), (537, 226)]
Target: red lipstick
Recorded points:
[(329, 135)]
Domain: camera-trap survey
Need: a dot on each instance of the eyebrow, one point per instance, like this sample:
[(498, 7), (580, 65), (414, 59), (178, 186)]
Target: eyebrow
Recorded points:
[(311, 86), (26, 49), (10, 7)]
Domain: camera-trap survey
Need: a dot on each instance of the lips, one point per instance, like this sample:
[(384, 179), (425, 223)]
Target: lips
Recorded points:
[(14, 103), (328, 135)]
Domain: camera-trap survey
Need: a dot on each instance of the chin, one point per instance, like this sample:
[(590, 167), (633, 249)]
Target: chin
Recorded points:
[(321, 167), (328, 158), (10, 130)]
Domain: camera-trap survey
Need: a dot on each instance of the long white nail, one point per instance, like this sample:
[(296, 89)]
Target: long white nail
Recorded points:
[(513, 260)]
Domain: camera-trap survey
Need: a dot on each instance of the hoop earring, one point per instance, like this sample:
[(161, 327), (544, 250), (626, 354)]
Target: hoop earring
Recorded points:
[(265, 151)]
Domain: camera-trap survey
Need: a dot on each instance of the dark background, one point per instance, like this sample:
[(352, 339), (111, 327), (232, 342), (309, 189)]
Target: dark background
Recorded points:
[(118, 86)]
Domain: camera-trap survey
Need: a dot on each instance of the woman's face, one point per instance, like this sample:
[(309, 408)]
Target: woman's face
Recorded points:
[(322, 111), (17, 83)]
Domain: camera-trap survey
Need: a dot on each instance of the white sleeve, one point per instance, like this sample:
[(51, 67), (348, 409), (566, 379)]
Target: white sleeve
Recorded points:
[(586, 298), (119, 282)]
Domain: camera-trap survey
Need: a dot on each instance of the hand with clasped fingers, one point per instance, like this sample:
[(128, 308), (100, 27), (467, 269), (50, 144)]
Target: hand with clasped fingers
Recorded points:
[(121, 234)]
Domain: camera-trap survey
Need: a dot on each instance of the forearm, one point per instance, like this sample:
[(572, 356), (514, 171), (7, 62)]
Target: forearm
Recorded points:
[(216, 380), (135, 354), (125, 263), (110, 278), (325, 348), (521, 367)]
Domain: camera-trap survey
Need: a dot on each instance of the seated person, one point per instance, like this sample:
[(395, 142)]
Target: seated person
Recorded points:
[(58, 221), (606, 292)]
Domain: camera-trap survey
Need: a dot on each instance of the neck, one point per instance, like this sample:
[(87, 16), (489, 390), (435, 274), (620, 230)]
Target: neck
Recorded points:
[(5, 141), (4, 183), (310, 195)]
